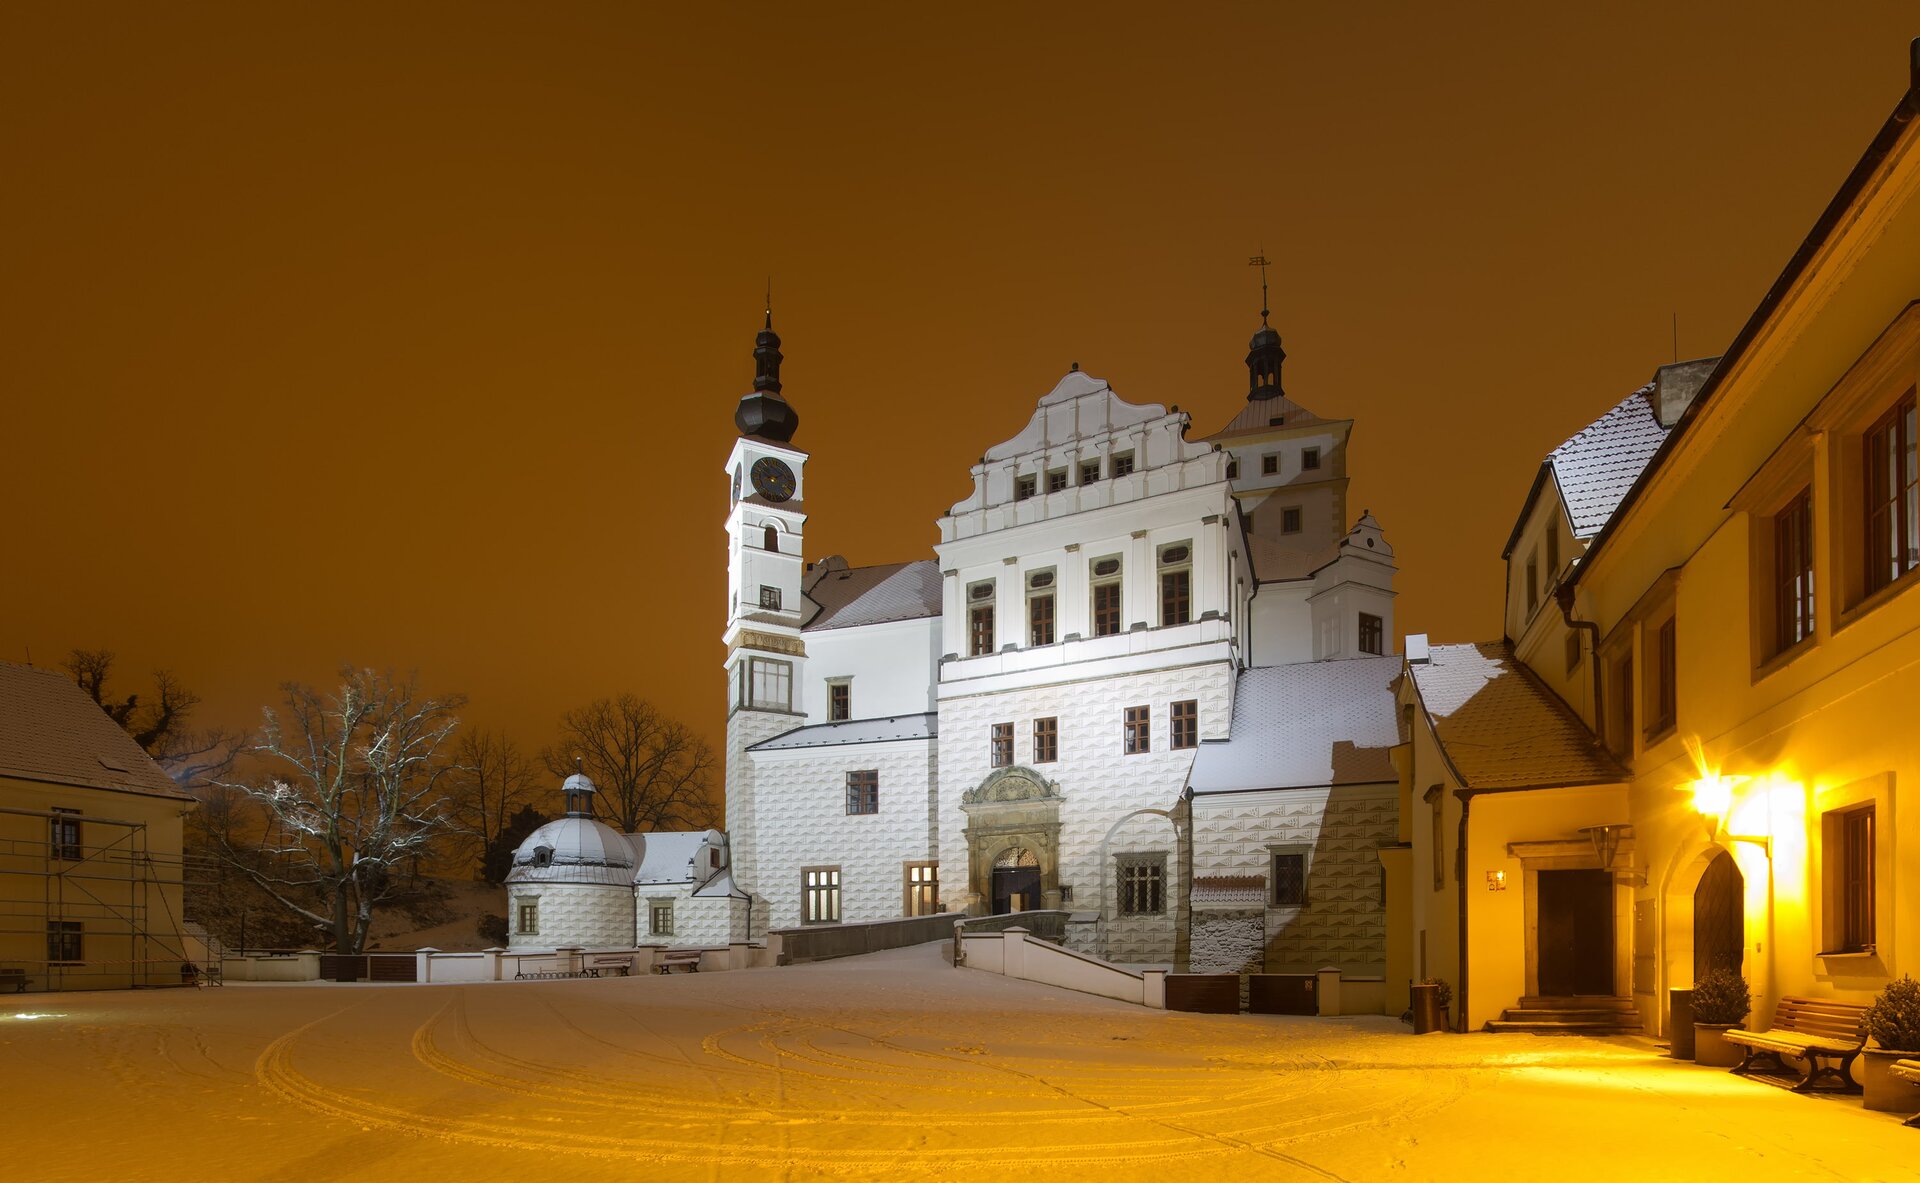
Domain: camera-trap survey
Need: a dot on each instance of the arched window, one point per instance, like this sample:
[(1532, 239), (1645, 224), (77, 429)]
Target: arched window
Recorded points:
[(771, 540)]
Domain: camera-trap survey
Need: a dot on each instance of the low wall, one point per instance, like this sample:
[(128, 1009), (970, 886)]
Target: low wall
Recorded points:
[(271, 967), (821, 942), (1012, 954)]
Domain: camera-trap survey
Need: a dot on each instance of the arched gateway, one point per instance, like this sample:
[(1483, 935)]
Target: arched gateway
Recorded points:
[(1013, 842)]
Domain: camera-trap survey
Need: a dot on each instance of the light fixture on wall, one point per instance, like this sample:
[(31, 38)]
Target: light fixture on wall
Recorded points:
[(1496, 880), (1713, 801), (1606, 842)]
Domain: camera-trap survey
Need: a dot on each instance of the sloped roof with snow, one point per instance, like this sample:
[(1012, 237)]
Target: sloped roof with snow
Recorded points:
[(51, 731), (824, 735), (668, 855), (1298, 726), (852, 596), (1599, 464), (1500, 728)]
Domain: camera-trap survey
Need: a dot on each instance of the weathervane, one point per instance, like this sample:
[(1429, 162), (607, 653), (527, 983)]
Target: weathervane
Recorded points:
[(1260, 261)]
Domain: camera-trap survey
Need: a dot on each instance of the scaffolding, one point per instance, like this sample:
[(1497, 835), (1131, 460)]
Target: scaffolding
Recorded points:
[(99, 906)]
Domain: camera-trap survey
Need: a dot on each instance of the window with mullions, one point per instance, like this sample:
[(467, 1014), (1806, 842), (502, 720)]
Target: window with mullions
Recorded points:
[(1373, 634), (527, 916), (980, 620), (1040, 612), (770, 683), (1176, 584), (1310, 458), (1183, 724), (923, 889), (660, 918), (839, 701), (1000, 745), (1046, 740), (820, 895), (1289, 879), (64, 942), (1290, 520), (1793, 572), (863, 791), (1847, 841), (1089, 471), (1024, 487), (1662, 663), (1056, 480), (65, 834), (1106, 597), (1892, 496), (770, 597), (1122, 463), (1143, 884), (1138, 737)]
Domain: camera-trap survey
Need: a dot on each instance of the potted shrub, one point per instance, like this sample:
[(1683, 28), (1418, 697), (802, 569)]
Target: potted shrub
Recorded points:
[(1894, 1023), (1720, 1002), (1431, 998)]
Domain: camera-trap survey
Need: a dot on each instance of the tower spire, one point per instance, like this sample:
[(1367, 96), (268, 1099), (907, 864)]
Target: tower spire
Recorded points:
[(764, 412), (1264, 354), (1260, 261)]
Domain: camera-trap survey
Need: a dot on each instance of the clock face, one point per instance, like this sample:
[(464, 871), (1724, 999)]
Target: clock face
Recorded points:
[(772, 478)]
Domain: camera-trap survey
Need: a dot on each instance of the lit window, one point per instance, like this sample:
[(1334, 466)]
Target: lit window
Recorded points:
[(1373, 634), (1143, 884), (923, 889), (1000, 745), (820, 895), (1046, 740), (863, 791), (1183, 724), (1138, 737), (1893, 483)]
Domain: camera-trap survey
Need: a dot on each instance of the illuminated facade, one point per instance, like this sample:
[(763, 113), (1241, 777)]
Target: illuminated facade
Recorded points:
[(1737, 634)]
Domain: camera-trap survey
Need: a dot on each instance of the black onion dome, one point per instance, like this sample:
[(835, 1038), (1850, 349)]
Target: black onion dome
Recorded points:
[(768, 416)]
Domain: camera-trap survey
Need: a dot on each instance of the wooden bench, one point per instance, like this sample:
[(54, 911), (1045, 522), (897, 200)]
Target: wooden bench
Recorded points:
[(599, 963), (1825, 1033), (17, 978), (688, 959), (1908, 1070)]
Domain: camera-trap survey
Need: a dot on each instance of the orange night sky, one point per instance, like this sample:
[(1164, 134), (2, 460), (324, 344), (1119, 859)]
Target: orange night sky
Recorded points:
[(411, 335)]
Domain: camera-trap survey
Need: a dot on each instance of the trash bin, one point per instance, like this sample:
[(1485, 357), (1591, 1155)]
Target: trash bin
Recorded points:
[(1428, 1015), (1680, 1023)]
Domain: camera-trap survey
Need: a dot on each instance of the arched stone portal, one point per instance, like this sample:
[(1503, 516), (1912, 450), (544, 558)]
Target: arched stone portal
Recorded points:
[(1013, 842)]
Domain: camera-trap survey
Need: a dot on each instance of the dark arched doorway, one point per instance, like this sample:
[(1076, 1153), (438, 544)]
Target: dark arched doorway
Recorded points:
[(1719, 918)]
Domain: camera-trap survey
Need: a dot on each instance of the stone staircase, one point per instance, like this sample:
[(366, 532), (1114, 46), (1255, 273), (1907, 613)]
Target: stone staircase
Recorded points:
[(1583, 1015)]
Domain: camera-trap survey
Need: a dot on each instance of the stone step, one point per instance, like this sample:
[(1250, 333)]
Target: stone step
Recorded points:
[(1575, 1002), (1526, 1014), (1565, 1027)]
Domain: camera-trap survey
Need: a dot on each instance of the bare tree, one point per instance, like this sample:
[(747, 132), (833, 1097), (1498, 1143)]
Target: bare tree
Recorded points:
[(194, 759), (653, 773), (357, 789), (489, 782)]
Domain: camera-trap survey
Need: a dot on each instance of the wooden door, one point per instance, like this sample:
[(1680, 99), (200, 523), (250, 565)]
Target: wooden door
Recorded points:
[(1576, 933), (1719, 918)]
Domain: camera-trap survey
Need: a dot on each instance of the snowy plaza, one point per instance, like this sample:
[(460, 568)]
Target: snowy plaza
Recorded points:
[(889, 1065)]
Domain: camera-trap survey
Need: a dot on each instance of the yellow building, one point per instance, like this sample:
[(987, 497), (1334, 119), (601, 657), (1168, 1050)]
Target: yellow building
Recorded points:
[(1733, 621), (90, 846)]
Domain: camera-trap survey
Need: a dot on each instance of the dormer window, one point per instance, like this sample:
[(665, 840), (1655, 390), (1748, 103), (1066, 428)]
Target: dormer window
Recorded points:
[(1122, 463), (1023, 487)]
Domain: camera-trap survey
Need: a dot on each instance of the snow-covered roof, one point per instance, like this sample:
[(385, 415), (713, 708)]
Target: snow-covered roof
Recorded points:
[(51, 731), (823, 735), (1599, 464), (577, 850), (1299, 726), (849, 596), (670, 853), (720, 885), (1499, 727)]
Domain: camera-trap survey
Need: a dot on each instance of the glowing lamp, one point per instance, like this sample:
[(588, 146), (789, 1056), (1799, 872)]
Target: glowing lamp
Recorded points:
[(1496, 880), (1713, 800)]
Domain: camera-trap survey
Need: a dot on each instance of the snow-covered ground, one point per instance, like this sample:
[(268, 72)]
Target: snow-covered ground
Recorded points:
[(894, 1065)]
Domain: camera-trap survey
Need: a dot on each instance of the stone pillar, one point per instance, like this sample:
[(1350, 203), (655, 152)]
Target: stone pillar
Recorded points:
[(423, 964), (1154, 989), (1140, 602), (491, 962), (953, 616), (1013, 945)]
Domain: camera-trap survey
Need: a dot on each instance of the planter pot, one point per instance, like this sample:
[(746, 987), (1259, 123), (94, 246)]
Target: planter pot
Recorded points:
[(1428, 1014), (1881, 1090), (1711, 1048)]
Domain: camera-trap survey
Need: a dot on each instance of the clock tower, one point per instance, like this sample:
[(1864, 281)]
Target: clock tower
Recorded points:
[(766, 517)]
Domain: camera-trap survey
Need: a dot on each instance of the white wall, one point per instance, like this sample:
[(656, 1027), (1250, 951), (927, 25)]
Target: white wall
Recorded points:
[(892, 667)]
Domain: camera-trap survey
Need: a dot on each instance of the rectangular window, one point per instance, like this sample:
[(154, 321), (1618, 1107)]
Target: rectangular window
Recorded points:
[(1040, 620), (839, 701), (1661, 707), (1138, 737), (65, 835), (820, 895), (1270, 464), (863, 791), (1056, 480), (1122, 463), (980, 630), (1000, 745), (1046, 740), (1310, 459), (1175, 600), (1373, 634), (923, 889), (1290, 520), (772, 683), (660, 919), (1024, 487), (1289, 879), (770, 597), (1793, 572), (64, 942), (1106, 609), (1143, 884), (1848, 841), (1893, 484), (527, 917), (1089, 471), (1183, 724)]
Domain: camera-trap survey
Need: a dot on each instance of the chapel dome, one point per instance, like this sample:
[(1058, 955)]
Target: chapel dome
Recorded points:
[(576, 850)]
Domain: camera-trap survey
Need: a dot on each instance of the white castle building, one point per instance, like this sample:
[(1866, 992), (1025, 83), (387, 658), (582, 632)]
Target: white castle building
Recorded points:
[(1132, 684)]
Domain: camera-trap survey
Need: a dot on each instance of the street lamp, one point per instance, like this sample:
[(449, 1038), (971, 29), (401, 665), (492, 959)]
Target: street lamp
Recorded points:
[(1713, 801)]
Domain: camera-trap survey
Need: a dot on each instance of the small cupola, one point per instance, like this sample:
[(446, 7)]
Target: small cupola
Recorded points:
[(578, 790), (1264, 355)]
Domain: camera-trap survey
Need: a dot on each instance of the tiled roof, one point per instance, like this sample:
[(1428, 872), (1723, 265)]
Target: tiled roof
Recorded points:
[(823, 735), (1500, 727), (51, 731), (1599, 464), (1259, 415), (875, 595), (1298, 726)]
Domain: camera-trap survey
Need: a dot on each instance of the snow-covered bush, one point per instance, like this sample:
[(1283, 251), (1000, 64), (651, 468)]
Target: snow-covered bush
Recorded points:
[(1445, 992), (1894, 1017), (1720, 996)]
